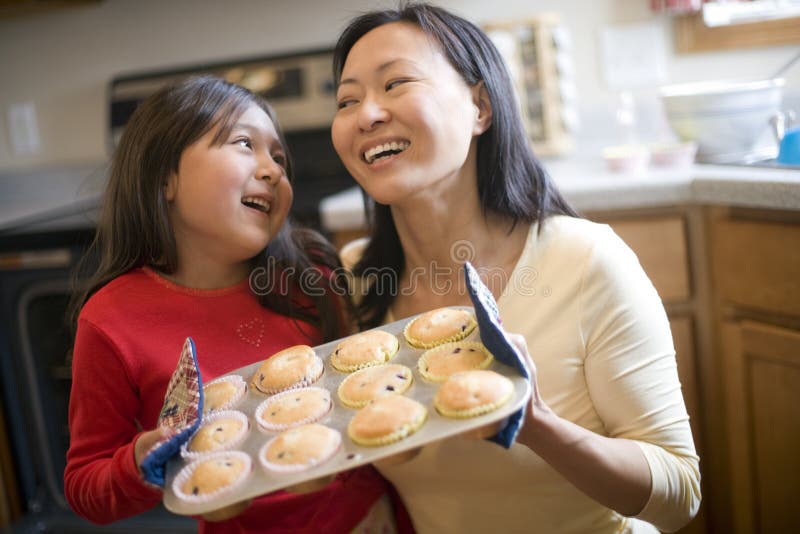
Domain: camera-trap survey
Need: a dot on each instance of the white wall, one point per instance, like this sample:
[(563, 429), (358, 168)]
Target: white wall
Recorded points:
[(63, 60)]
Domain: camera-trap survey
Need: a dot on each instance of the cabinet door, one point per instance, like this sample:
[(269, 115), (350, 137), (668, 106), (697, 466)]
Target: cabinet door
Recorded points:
[(762, 390), (757, 264)]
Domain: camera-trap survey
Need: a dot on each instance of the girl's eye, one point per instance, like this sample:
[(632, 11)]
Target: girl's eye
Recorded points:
[(280, 159), (341, 104), (244, 141)]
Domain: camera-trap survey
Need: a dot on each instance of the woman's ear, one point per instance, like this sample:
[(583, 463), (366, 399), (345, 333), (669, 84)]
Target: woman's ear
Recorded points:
[(171, 187), (483, 108)]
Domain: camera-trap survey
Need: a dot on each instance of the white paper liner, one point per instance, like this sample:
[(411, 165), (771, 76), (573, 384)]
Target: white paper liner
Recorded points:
[(241, 389), (187, 472), (269, 427), (319, 366), (294, 468), (209, 420)]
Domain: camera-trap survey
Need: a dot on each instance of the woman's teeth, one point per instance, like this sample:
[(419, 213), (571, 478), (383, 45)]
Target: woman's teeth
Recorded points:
[(385, 150), (256, 203)]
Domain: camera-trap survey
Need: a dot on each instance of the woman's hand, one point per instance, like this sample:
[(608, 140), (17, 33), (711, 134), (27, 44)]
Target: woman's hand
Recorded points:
[(522, 347)]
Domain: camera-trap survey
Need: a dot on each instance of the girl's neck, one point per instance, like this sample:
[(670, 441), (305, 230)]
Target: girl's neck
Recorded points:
[(209, 275)]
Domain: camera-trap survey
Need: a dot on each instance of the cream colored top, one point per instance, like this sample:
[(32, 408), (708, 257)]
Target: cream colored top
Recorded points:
[(600, 338)]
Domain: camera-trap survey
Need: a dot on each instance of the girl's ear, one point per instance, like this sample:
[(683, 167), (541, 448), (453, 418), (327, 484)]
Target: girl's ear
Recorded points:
[(483, 108), (171, 187)]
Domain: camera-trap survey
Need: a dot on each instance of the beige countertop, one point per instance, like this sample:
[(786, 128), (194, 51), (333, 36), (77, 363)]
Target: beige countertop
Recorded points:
[(588, 186)]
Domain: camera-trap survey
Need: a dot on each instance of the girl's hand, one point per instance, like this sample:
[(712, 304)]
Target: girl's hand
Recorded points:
[(146, 440), (227, 512)]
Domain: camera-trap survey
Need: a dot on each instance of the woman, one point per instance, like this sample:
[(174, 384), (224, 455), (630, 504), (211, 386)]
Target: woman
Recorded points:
[(428, 126)]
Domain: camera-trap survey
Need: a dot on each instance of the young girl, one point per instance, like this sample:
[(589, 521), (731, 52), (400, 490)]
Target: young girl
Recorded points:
[(428, 125), (197, 199)]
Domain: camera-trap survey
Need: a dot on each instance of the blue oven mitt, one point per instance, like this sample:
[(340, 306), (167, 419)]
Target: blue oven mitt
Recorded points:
[(182, 412), (493, 337)]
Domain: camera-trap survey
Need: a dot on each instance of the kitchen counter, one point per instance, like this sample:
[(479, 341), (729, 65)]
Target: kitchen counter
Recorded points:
[(589, 187), (51, 199)]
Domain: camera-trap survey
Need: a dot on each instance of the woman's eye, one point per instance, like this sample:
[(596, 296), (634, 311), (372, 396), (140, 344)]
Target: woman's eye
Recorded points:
[(341, 104), (244, 141), (394, 83)]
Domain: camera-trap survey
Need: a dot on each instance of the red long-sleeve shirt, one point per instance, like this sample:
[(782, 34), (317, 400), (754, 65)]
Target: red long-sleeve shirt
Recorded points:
[(129, 337)]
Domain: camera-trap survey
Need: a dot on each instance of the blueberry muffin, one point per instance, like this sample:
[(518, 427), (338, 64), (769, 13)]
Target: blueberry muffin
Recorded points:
[(373, 347), (439, 326), (290, 368), (366, 385), (437, 364)]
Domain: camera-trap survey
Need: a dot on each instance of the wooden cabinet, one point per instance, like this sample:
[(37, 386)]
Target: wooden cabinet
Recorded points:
[(756, 269), (762, 382)]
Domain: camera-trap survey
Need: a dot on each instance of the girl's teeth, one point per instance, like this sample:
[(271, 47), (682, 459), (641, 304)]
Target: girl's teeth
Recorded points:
[(393, 148), (258, 203)]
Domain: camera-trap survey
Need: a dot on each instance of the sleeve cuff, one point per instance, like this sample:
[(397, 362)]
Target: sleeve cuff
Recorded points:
[(674, 491), (131, 477)]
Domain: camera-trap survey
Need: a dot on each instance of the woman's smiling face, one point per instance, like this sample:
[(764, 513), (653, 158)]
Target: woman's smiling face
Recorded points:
[(406, 119)]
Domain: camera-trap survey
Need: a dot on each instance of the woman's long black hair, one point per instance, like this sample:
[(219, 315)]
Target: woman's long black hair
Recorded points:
[(511, 181), (134, 228)]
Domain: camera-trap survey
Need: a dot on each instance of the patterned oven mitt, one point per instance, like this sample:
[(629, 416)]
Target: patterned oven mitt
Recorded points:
[(493, 337), (182, 413)]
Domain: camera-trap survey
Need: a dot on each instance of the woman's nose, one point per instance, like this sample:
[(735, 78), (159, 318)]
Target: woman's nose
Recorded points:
[(372, 113)]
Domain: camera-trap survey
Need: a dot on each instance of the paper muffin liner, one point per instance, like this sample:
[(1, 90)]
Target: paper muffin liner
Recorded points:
[(241, 389), (350, 368), (269, 427), (473, 412), (360, 404), (294, 468), (419, 344), (186, 473), (401, 432), (423, 362), (318, 369), (209, 420)]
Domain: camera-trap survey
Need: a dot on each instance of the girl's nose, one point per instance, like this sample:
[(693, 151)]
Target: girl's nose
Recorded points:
[(269, 170), (372, 113)]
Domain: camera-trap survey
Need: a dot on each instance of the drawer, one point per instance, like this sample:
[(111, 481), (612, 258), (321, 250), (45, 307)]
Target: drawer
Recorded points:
[(660, 244), (757, 264)]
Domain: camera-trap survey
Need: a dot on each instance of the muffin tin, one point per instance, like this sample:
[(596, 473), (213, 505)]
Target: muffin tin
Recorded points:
[(350, 455)]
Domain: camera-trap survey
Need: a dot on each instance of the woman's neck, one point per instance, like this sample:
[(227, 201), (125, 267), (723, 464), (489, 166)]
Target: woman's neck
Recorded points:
[(438, 234)]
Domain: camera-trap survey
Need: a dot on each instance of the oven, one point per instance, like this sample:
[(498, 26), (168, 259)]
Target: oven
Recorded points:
[(35, 270), (300, 88)]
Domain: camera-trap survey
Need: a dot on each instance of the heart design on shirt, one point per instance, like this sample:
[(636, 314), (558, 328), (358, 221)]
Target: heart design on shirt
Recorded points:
[(251, 331)]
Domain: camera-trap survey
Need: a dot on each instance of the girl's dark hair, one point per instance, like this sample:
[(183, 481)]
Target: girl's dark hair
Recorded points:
[(511, 181), (134, 228)]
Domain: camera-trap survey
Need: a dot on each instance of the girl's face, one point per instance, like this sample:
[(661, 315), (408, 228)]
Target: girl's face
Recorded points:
[(228, 201), (406, 120)]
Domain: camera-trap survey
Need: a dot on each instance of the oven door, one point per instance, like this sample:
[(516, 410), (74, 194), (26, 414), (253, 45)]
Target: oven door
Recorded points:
[(36, 378)]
